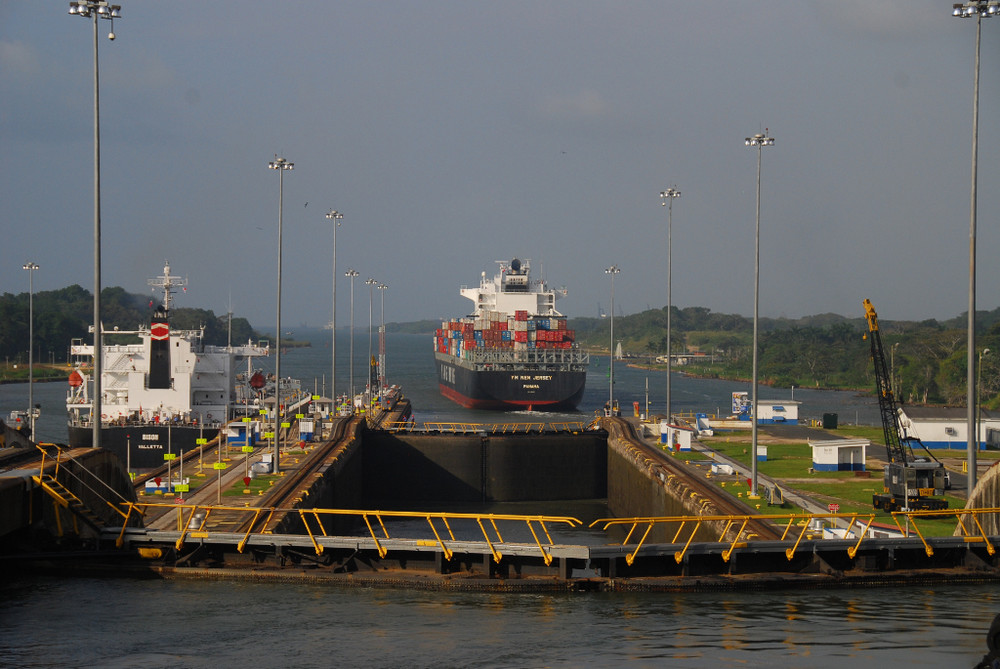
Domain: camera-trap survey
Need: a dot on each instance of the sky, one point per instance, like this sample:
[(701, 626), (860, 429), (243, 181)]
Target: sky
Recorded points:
[(453, 134)]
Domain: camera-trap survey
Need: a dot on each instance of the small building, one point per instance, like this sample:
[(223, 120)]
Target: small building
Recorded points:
[(306, 428), (778, 411), (839, 455), (947, 427), (769, 411), (321, 405), (675, 437), (239, 433)]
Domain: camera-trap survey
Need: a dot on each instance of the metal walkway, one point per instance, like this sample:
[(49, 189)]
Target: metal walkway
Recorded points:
[(495, 545)]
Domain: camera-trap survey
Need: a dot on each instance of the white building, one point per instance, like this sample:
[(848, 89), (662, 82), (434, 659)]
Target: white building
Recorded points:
[(947, 427), (839, 455), (769, 411), (675, 437)]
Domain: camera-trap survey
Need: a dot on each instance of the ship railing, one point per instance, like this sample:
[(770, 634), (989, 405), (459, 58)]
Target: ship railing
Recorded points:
[(444, 528), (484, 356), (487, 428)]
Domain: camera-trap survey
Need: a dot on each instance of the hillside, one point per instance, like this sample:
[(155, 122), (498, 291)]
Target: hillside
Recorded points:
[(66, 314)]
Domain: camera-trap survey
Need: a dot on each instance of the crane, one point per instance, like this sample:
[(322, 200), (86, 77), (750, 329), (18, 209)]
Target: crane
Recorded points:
[(911, 483)]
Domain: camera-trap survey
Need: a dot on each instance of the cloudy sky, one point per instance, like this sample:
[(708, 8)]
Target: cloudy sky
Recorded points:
[(455, 134)]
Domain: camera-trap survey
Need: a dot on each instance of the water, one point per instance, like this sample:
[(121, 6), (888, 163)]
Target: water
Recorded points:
[(130, 623), (83, 622), (410, 363)]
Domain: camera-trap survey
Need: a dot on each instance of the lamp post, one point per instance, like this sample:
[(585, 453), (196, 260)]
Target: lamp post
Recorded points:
[(371, 283), (892, 369), (95, 9), (334, 216), (31, 267), (612, 271), (281, 165), (381, 340), (351, 274), (758, 141), (977, 9), (667, 200), (979, 392)]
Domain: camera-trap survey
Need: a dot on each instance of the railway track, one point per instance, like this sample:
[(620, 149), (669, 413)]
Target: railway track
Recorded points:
[(236, 515), (725, 504)]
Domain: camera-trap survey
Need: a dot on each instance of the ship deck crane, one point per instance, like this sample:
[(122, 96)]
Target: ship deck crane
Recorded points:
[(911, 483)]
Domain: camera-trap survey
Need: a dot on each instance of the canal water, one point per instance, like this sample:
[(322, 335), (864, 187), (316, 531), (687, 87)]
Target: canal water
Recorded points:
[(410, 363), (122, 623), (82, 622)]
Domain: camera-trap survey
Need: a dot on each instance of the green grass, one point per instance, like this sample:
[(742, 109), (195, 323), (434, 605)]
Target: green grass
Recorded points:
[(257, 485), (791, 462)]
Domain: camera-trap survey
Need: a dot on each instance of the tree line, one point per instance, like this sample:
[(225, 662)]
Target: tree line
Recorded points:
[(927, 358), (66, 314)]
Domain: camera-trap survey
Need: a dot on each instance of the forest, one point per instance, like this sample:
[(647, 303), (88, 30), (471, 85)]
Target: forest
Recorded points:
[(66, 314), (927, 358)]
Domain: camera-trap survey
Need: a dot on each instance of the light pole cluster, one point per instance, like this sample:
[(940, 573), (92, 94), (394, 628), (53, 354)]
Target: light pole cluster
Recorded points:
[(667, 198), (612, 271), (979, 391), (352, 274), (281, 165), (371, 283), (381, 340), (97, 9), (758, 141), (31, 267), (336, 217), (978, 9)]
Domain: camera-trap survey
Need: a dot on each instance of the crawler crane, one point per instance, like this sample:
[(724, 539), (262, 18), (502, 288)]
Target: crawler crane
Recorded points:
[(911, 483)]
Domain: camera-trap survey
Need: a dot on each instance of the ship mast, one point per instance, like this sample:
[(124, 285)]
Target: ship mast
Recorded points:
[(166, 282)]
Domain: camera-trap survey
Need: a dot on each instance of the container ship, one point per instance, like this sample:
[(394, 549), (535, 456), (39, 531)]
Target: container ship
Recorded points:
[(514, 351), (162, 390)]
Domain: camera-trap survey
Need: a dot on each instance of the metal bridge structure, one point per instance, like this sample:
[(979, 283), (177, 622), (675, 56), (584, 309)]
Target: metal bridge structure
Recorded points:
[(289, 533)]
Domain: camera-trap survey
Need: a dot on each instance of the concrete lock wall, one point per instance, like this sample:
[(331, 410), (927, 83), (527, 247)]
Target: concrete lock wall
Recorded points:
[(638, 487), (340, 486), (472, 468)]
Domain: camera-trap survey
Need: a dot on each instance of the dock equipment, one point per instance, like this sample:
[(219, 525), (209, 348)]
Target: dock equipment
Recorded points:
[(911, 483)]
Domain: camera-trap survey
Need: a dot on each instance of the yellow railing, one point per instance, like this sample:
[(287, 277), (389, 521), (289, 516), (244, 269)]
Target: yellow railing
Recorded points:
[(536, 524), (962, 516), (56, 489), (446, 519), (968, 522), (795, 525)]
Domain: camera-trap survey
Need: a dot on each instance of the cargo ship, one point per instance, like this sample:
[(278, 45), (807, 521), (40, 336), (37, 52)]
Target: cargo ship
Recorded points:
[(514, 352), (163, 390)]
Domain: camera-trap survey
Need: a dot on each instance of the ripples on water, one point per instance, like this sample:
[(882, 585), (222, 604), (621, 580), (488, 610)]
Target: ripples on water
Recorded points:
[(128, 623)]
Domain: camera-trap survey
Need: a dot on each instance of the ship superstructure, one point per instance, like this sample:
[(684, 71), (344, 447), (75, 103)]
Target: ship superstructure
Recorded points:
[(162, 389), (514, 351)]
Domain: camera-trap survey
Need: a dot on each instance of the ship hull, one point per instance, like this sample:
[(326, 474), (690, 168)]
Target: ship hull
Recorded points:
[(142, 447), (510, 389)]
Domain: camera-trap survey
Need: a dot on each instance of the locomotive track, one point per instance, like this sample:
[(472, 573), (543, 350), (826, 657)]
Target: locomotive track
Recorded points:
[(236, 515), (724, 503)]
